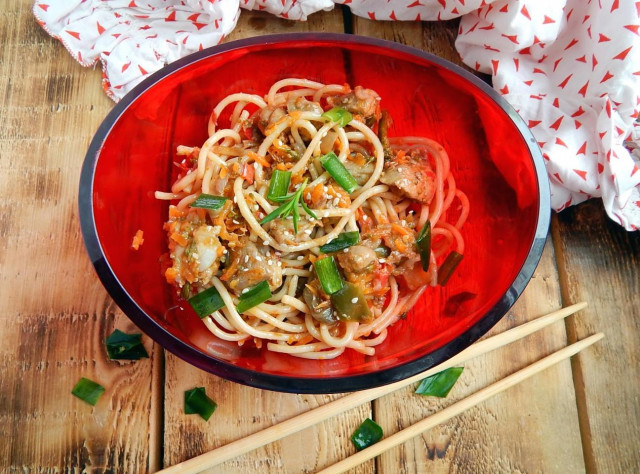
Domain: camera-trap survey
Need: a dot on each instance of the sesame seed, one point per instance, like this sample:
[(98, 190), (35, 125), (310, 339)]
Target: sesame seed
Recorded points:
[(258, 258), (256, 207), (300, 257), (403, 222), (336, 201), (381, 260), (346, 250), (279, 264), (195, 256), (399, 170), (245, 290), (266, 242), (246, 258), (354, 300), (325, 189), (209, 228), (269, 262), (297, 186), (235, 221), (224, 250), (235, 199), (308, 231), (365, 217), (245, 269)]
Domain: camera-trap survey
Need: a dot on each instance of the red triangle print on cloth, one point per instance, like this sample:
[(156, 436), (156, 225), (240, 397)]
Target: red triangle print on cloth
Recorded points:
[(171, 17), (606, 77), (555, 125), (583, 149), (548, 20), (100, 28), (623, 54), (633, 28), (43, 6), (525, 12), (393, 15), (581, 173), (75, 34)]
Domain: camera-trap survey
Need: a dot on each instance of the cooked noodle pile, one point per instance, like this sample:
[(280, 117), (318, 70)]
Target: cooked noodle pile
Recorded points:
[(286, 181)]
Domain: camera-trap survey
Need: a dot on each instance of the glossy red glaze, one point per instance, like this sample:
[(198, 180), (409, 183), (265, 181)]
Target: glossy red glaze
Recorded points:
[(493, 156)]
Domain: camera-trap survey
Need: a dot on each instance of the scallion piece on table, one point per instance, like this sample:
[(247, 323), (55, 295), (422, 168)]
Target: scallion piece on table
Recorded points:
[(279, 184), (206, 302), (123, 346), (328, 275), (209, 201), (338, 172), (440, 384), (448, 266), (368, 433), (256, 295), (343, 241), (339, 115), (350, 303), (88, 391), (423, 244), (196, 401)]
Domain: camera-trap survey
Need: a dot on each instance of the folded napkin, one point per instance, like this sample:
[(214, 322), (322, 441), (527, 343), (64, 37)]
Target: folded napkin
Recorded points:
[(571, 68)]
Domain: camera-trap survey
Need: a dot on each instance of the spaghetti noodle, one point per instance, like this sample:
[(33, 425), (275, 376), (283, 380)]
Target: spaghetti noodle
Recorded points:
[(305, 226)]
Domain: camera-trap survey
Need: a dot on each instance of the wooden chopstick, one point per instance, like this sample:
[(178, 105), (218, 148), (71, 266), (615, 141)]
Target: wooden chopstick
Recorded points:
[(458, 407), (328, 410)]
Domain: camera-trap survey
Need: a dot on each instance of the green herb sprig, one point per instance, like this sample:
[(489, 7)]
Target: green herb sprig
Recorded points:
[(290, 207)]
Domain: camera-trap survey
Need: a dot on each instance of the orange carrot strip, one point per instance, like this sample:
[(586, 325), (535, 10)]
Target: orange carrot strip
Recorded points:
[(180, 239), (398, 229), (137, 240)]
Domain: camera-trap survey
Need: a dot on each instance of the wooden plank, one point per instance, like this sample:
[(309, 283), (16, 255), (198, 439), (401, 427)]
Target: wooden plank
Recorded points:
[(244, 410), (55, 312), (541, 411), (600, 263)]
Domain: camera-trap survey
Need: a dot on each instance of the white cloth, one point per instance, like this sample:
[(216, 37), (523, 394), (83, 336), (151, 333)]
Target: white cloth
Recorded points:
[(571, 68)]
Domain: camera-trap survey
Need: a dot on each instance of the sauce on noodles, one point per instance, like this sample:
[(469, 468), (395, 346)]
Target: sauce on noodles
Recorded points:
[(250, 238)]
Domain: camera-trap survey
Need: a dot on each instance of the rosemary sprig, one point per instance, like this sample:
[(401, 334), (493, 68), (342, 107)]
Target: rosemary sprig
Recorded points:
[(289, 207)]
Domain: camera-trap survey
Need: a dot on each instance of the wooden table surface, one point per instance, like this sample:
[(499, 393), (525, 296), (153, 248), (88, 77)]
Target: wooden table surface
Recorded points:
[(578, 416)]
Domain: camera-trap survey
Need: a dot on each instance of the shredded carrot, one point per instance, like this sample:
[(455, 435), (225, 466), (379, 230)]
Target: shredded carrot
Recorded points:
[(398, 229), (248, 173), (171, 274), (259, 159), (220, 251), (316, 193), (400, 156), (223, 172), (400, 245), (359, 160), (175, 212), (137, 240), (230, 271), (296, 179), (307, 338), (179, 238)]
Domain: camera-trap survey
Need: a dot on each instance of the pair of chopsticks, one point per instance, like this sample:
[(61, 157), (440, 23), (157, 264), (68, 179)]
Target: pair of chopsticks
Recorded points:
[(305, 420)]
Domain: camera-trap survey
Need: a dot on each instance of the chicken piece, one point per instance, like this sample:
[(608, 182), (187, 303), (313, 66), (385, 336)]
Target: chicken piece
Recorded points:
[(412, 175), (361, 173), (282, 230), (254, 264), (357, 259), (303, 105), (360, 101)]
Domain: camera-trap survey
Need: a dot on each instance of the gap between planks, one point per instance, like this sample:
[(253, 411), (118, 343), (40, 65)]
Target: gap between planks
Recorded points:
[(586, 438)]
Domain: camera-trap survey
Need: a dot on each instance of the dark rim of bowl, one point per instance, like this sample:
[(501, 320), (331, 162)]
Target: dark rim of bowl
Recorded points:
[(294, 384)]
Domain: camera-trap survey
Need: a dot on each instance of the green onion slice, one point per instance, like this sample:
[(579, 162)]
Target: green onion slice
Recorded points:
[(88, 391), (123, 346), (448, 266), (340, 115), (343, 241), (209, 201), (256, 295), (328, 275), (423, 244), (368, 433), (206, 302), (338, 172), (196, 401), (351, 304), (440, 384), (279, 185)]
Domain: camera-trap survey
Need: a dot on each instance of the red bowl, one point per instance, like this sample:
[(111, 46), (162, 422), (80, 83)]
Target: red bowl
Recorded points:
[(494, 158)]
